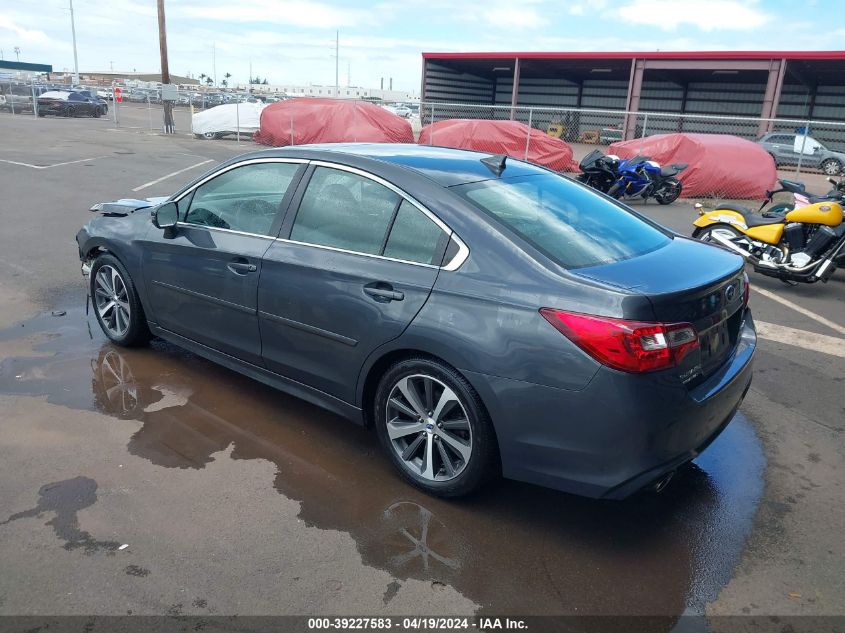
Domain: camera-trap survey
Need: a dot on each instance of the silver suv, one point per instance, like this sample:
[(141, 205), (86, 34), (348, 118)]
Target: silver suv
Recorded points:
[(787, 148)]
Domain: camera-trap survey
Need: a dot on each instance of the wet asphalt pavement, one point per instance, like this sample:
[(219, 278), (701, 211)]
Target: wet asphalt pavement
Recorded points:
[(514, 549), (232, 498)]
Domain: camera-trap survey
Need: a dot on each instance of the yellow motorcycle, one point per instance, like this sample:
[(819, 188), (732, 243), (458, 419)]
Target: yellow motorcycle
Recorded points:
[(806, 244)]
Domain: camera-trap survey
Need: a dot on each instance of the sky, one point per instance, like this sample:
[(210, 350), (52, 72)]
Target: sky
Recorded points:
[(293, 41)]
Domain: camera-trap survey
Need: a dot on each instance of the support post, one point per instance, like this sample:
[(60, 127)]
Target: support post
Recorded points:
[(515, 91), (169, 128), (635, 87), (771, 97)]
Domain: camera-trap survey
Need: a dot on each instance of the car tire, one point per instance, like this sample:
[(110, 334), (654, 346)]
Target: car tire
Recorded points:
[(120, 314), (831, 166), (69, 112), (210, 136), (96, 113), (459, 433)]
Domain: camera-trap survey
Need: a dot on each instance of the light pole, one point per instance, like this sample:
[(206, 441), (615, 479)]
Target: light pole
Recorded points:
[(336, 64), (75, 59)]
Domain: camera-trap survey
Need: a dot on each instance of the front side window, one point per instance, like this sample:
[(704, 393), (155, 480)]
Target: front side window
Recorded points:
[(567, 222), (344, 210), (244, 199)]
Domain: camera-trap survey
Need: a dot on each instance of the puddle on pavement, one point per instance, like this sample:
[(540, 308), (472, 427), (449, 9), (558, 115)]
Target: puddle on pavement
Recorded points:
[(514, 548)]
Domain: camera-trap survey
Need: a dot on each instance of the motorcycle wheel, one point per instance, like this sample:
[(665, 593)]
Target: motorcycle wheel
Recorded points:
[(669, 192), (614, 190), (725, 230)]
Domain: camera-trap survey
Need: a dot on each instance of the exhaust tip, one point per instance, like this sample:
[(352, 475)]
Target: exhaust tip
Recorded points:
[(660, 484)]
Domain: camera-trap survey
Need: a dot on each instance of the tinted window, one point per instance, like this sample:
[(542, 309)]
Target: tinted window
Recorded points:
[(415, 237), (569, 223), (344, 210), (75, 97), (243, 199), (780, 138)]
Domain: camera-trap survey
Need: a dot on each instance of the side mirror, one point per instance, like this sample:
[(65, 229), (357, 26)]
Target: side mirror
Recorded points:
[(166, 215)]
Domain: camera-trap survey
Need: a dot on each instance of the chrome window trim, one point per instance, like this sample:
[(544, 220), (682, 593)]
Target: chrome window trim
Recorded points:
[(251, 161), (359, 253), (222, 230), (454, 264)]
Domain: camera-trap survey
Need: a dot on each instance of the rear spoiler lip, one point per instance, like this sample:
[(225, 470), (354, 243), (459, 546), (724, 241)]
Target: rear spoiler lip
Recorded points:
[(125, 206)]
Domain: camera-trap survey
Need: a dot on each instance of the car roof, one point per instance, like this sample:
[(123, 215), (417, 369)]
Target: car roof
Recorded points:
[(444, 165)]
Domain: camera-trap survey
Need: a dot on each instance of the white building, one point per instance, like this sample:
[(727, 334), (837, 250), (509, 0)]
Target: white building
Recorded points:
[(343, 92)]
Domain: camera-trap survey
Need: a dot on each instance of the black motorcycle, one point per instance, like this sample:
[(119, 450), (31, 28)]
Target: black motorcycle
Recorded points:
[(598, 170)]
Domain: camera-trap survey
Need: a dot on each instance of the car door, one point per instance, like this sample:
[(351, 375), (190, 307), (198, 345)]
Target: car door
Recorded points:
[(352, 268), (202, 276)]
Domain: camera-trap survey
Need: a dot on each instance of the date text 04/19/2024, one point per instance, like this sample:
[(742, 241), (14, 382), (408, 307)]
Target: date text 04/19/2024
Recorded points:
[(416, 623)]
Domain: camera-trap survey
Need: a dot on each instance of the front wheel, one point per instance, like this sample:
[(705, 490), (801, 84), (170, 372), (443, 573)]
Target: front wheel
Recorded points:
[(116, 303), (614, 191), (831, 166), (434, 427), (722, 230)]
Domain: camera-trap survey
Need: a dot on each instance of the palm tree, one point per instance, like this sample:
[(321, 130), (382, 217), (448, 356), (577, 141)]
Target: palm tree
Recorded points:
[(227, 75), (209, 81), (224, 83), (202, 76)]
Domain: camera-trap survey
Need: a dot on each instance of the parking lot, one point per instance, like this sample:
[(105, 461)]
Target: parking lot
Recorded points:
[(231, 498)]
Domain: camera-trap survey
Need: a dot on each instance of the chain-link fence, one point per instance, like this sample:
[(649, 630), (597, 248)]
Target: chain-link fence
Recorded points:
[(805, 150)]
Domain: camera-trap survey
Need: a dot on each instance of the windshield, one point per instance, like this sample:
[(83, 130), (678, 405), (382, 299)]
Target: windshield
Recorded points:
[(567, 222)]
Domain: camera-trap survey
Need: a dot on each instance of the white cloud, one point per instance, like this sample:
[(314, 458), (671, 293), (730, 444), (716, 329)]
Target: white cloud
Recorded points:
[(21, 34), (301, 13), (519, 16), (706, 15)]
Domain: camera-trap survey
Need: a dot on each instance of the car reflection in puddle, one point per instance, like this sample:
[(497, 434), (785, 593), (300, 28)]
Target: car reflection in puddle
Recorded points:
[(513, 548)]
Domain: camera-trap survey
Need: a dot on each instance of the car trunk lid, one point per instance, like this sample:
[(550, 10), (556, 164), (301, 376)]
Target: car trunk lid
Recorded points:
[(687, 282)]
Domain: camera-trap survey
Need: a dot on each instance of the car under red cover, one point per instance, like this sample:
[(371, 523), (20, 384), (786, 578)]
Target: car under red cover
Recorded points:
[(511, 138), (306, 120), (720, 165)]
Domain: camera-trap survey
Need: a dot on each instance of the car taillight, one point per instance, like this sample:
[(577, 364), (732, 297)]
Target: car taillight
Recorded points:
[(746, 289), (632, 346)]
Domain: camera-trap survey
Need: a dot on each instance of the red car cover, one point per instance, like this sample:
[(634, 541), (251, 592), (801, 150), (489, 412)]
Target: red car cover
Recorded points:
[(306, 120), (501, 137), (720, 165)]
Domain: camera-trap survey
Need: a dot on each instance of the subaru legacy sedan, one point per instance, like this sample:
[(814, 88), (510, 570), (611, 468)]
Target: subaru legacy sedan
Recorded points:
[(483, 315)]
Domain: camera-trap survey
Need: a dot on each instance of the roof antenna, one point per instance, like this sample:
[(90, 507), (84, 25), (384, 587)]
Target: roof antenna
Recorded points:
[(495, 163)]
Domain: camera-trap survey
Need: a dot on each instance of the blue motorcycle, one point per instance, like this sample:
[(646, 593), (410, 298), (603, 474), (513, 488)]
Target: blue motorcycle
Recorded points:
[(641, 177)]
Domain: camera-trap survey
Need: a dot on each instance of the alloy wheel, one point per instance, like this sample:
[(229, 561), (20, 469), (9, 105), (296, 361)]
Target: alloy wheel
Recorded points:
[(111, 300), (428, 428)]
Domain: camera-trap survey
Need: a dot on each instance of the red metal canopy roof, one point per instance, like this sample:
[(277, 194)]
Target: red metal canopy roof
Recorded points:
[(803, 55)]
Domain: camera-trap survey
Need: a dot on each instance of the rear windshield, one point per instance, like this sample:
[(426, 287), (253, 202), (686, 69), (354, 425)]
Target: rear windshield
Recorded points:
[(570, 224)]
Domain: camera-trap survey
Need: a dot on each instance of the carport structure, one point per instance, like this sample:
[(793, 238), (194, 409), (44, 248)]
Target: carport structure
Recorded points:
[(765, 84)]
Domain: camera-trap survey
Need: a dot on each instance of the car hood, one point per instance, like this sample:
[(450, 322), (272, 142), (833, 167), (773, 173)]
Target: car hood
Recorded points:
[(125, 206)]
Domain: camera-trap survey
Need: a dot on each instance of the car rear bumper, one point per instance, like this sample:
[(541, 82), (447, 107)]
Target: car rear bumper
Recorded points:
[(619, 434)]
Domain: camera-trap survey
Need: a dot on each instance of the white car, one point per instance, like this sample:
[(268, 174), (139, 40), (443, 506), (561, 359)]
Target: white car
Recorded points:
[(229, 118)]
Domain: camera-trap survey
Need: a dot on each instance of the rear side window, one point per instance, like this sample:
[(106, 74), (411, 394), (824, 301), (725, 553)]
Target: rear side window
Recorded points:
[(344, 210), (415, 237), (567, 222)]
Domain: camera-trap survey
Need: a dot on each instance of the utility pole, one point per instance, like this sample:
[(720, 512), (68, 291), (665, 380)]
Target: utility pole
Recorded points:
[(214, 61), (169, 128), (337, 63), (250, 75), (75, 59)]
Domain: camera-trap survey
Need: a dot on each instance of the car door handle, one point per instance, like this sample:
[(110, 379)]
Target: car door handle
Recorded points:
[(241, 268), (383, 292)]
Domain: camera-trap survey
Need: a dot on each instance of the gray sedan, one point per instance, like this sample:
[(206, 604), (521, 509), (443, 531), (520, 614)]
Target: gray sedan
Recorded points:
[(787, 149), (485, 316)]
